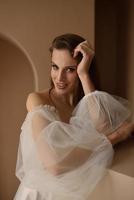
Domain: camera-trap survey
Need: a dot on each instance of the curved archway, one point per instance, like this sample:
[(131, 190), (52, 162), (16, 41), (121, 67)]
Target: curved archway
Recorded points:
[(17, 79), (14, 42)]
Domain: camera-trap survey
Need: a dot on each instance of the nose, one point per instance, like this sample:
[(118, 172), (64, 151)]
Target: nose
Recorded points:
[(61, 75)]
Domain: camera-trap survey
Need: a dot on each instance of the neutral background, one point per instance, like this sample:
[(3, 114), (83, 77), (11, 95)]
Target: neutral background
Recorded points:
[(26, 31)]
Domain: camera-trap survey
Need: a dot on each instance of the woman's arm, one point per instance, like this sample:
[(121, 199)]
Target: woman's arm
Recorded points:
[(47, 156), (76, 158), (122, 133), (83, 67), (85, 48)]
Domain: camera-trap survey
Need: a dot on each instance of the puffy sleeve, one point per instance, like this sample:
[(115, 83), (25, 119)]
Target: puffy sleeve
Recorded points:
[(63, 146), (68, 154), (105, 111)]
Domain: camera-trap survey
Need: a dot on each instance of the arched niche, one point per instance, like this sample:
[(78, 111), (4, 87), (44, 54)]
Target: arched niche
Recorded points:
[(17, 79)]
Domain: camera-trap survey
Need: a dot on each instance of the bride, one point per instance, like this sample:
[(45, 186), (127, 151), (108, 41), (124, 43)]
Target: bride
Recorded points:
[(67, 137)]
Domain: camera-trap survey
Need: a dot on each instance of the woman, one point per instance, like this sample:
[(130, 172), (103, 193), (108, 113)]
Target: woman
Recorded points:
[(67, 136)]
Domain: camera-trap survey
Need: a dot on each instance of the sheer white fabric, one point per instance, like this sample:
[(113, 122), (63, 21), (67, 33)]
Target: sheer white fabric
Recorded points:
[(61, 161)]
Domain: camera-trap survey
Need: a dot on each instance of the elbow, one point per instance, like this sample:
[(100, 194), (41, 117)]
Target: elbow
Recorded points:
[(55, 171)]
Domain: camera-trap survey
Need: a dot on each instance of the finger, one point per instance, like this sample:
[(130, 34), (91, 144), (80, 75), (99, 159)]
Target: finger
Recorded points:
[(83, 47), (80, 49), (87, 50), (84, 50), (76, 51), (88, 44)]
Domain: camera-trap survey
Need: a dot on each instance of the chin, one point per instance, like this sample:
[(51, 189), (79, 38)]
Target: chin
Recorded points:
[(63, 91)]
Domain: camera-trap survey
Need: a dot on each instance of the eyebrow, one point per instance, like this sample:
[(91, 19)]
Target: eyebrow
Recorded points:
[(74, 66)]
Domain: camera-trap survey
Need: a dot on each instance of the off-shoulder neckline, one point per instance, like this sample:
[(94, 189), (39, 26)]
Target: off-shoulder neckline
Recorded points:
[(52, 108), (43, 106)]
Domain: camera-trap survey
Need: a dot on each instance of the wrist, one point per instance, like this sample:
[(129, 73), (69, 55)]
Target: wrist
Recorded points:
[(114, 138), (83, 75), (87, 83)]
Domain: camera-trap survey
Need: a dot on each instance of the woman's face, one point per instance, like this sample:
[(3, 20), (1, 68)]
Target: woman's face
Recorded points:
[(64, 71)]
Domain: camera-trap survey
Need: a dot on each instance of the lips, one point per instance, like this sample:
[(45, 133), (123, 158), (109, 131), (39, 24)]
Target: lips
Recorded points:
[(61, 85)]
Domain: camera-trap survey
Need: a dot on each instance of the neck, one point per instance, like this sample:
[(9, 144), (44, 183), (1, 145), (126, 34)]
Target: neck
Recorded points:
[(58, 99)]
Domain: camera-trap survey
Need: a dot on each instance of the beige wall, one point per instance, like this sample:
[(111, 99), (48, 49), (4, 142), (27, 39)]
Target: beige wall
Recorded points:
[(26, 31), (35, 23)]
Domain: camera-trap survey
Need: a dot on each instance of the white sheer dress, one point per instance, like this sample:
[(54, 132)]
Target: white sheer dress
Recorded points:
[(62, 161)]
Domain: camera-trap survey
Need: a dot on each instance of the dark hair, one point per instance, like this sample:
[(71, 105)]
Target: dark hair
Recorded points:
[(69, 41)]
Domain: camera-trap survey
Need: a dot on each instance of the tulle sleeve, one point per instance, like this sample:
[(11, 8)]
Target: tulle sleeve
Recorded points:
[(63, 147), (58, 157), (106, 112)]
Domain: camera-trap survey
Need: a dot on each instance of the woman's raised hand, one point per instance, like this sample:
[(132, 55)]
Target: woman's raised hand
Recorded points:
[(88, 53)]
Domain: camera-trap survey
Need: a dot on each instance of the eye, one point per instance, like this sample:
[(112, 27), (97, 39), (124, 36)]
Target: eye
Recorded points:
[(55, 67), (69, 69)]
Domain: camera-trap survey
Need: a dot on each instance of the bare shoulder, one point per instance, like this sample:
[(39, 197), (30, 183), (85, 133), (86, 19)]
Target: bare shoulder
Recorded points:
[(37, 98)]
